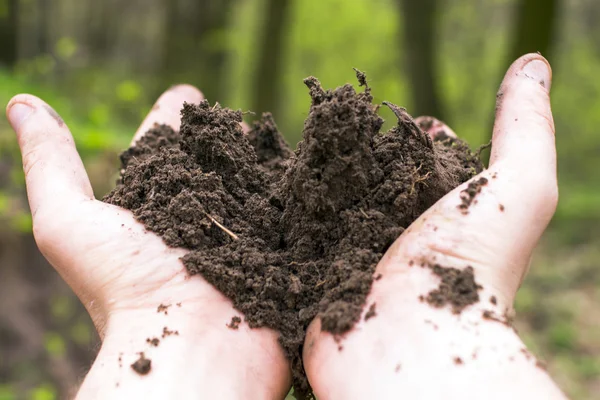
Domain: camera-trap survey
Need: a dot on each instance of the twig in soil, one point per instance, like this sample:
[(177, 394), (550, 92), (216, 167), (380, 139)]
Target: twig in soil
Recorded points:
[(215, 106), (483, 147), (362, 79), (364, 213), (227, 231), (404, 117)]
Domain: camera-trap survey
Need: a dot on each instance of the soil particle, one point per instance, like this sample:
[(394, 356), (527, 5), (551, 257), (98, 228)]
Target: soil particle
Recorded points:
[(501, 207), (142, 365), (371, 312), (166, 332), (60, 122), (457, 288), (467, 196), (163, 309), (235, 322), (153, 341), (289, 236), (493, 300), (458, 361)]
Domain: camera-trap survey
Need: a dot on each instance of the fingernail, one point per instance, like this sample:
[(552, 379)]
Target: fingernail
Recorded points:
[(18, 113), (539, 71)]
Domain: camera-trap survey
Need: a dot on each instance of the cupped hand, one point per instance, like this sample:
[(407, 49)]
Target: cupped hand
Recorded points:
[(122, 274), (414, 350)]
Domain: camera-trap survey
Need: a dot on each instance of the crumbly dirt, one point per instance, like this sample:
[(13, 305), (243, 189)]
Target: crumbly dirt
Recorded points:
[(290, 236), (142, 365), (371, 312), (235, 323), (457, 288), (153, 341), (468, 195)]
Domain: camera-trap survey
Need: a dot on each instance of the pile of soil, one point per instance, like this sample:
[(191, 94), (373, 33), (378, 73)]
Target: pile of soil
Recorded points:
[(290, 236)]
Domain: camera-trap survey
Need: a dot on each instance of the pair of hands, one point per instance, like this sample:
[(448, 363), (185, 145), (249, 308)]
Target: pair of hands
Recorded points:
[(410, 350)]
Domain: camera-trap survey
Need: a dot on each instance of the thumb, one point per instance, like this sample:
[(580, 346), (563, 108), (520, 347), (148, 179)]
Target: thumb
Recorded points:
[(54, 174)]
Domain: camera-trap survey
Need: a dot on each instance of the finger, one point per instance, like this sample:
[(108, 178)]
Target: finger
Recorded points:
[(54, 173), (245, 127), (523, 144), (494, 221), (167, 109), (436, 129), (524, 128)]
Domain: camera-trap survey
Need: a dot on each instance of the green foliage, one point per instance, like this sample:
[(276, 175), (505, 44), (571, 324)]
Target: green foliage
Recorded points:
[(81, 332), (7, 392), (562, 336), (66, 48), (44, 392), (55, 344)]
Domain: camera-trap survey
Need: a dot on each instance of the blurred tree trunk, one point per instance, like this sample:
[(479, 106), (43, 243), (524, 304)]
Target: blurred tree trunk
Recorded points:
[(43, 29), (194, 43), (9, 27), (420, 53), (267, 81), (100, 32), (535, 25), (534, 31)]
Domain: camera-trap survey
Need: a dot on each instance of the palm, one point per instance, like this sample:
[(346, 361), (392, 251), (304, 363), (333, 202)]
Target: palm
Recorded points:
[(124, 261), (122, 272), (428, 352)]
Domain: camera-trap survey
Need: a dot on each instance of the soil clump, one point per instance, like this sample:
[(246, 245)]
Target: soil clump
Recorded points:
[(286, 235)]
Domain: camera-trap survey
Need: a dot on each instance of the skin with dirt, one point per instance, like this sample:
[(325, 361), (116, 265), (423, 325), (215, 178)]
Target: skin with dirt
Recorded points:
[(290, 236)]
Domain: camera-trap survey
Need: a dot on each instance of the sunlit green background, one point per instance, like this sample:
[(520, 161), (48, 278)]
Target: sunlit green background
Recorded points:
[(101, 64)]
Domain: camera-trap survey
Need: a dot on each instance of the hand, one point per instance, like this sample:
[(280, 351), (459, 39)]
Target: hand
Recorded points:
[(122, 273), (412, 350)]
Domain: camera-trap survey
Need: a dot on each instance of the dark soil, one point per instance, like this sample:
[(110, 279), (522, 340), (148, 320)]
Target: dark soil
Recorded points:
[(235, 323), (142, 365), (468, 195), (289, 236), (457, 288)]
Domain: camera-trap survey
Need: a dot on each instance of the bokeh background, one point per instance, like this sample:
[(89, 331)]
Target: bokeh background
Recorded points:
[(102, 64)]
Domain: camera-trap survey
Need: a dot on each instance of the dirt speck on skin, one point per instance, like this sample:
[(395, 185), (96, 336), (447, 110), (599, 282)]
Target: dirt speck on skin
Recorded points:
[(162, 308), (493, 300), (467, 196), (458, 361), (457, 288), (371, 312), (289, 236), (167, 332), (153, 341), (142, 365), (235, 323), (398, 368)]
